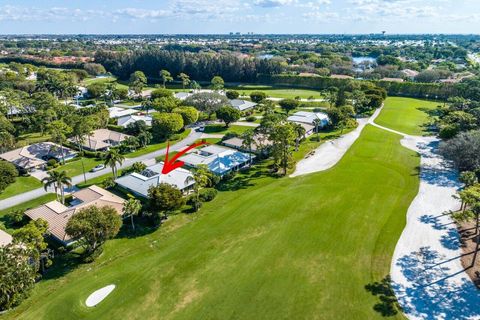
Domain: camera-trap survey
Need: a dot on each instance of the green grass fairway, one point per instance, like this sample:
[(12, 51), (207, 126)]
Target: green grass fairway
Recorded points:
[(276, 92), (21, 184), (406, 115), (290, 248)]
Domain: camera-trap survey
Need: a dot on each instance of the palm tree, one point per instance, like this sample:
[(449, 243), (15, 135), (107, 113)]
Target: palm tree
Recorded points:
[(299, 134), (57, 179), (112, 159), (248, 140), (185, 79), (131, 208), (317, 122), (201, 177), (165, 76)]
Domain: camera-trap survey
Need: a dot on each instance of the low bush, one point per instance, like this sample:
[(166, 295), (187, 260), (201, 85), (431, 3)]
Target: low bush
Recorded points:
[(207, 194), (251, 118)]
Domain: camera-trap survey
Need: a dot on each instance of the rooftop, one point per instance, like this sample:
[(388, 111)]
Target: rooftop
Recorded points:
[(5, 238), (57, 214), (242, 104), (152, 176)]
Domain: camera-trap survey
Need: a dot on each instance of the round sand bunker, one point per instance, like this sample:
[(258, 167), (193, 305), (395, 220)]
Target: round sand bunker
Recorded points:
[(98, 296)]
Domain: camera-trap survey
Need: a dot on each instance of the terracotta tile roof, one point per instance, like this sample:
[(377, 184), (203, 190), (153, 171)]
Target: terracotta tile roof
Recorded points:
[(57, 214)]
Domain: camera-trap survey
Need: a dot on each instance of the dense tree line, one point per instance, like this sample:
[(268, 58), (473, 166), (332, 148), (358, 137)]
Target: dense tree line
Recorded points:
[(199, 66)]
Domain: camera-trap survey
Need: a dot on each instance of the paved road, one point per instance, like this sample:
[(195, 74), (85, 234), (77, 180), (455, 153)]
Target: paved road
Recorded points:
[(26, 196)]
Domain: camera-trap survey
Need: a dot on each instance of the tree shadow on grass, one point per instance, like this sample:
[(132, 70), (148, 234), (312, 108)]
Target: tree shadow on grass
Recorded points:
[(62, 265), (143, 227), (387, 305)]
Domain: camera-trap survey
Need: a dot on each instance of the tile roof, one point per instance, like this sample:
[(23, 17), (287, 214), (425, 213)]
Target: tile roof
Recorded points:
[(242, 104), (102, 138), (57, 214), (32, 155)]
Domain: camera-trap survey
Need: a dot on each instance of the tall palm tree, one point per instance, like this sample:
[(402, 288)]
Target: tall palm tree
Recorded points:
[(131, 208), (299, 134), (248, 141), (112, 159), (317, 122), (59, 180)]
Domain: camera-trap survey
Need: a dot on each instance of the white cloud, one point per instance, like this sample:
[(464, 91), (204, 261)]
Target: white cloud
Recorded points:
[(273, 3)]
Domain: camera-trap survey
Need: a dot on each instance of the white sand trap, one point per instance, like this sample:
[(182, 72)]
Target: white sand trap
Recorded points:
[(330, 152), (98, 296), (426, 271)]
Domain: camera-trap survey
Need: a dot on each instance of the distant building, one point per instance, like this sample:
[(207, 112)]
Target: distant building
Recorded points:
[(57, 214), (307, 120), (219, 160), (242, 105), (5, 238), (139, 183), (126, 120), (182, 95), (36, 155), (102, 139), (117, 112), (258, 141)]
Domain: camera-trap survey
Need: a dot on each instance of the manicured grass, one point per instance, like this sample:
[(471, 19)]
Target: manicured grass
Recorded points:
[(406, 115), (275, 92), (157, 146), (30, 138), (221, 129), (266, 248), (21, 184), (75, 168)]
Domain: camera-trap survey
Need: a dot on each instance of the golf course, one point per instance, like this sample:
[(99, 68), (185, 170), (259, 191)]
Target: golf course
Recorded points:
[(269, 248)]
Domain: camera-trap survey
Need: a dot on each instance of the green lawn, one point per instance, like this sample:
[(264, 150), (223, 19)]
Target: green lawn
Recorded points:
[(221, 129), (406, 115), (157, 146), (30, 138), (267, 248), (275, 92), (75, 168), (21, 184)]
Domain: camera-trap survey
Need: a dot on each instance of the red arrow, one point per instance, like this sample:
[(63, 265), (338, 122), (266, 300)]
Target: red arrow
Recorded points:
[(174, 164)]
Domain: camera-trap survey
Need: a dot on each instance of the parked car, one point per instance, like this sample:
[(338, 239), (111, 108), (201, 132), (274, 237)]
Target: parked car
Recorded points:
[(98, 167)]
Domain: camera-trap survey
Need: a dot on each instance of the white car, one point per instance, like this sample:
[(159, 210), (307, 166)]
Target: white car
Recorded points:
[(98, 167)]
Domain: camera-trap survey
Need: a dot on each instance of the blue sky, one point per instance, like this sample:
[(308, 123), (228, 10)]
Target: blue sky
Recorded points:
[(223, 16)]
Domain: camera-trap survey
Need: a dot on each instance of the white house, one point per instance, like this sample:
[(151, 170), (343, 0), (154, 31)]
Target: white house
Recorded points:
[(132, 118), (219, 160), (116, 112), (242, 105), (139, 183), (307, 120)]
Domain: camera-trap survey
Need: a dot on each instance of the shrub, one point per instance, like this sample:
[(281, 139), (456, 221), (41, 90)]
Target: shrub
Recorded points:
[(232, 94), (251, 119), (52, 162), (8, 173), (258, 96), (207, 194)]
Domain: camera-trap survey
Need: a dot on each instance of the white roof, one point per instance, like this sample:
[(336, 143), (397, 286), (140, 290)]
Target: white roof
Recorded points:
[(152, 176), (242, 104), (218, 159), (116, 112), (126, 120), (308, 117), (5, 238), (182, 95)]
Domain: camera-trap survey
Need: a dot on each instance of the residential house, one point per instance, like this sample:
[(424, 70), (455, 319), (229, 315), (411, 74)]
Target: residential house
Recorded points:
[(126, 120), (139, 183), (220, 160), (102, 139), (182, 95), (392, 79), (5, 238), (117, 112), (57, 214), (307, 120), (242, 105), (36, 155), (259, 141)]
